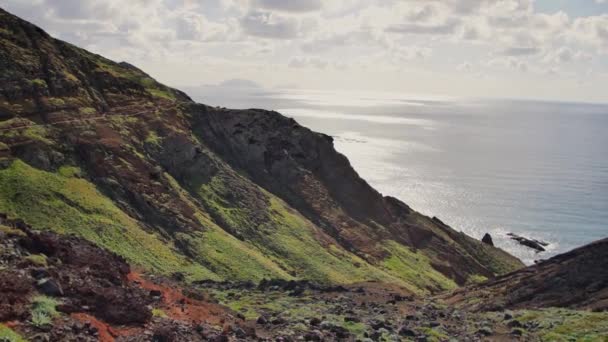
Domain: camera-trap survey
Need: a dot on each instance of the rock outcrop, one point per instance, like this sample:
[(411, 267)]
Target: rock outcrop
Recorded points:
[(576, 280)]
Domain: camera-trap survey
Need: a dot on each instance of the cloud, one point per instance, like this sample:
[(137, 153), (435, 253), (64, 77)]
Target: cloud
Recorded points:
[(294, 6), (520, 51), (270, 25), (307, 62), (448, 27)]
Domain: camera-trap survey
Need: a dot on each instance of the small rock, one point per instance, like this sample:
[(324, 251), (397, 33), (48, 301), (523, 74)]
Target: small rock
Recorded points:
[(50, 287), (487, 239), (514, 324), (262, 320), (278, 320), (312, 336), (406, 332), (486, 331), (516, 332), (315, 321), (155, 293)]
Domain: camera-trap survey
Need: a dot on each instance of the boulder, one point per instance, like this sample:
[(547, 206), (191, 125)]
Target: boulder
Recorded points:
[(487, 239), (50, 287)]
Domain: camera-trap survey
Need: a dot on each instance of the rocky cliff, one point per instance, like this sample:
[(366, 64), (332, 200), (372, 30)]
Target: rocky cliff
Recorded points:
[(101, 150)]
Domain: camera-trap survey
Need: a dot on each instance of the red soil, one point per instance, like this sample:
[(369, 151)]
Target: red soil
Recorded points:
[(179, 307), (105, 331)]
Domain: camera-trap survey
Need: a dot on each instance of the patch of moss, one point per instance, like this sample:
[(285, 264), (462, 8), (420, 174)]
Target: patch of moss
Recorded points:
[(153, 138), (567, 325), (38, 83), (66, 204), (159, 313), (11, 231), (37, 259), (8, 335), (434, 335), (414, 268), (44, 310), (229, 257), (87, 110), (161, 93), (476, 279)]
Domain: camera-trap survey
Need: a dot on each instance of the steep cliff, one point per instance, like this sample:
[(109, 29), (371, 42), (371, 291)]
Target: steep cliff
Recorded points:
[(101, 150)]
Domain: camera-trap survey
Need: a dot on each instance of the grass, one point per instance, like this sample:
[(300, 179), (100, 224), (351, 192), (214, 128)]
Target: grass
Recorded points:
[(11, 231), (290, 241), (37, 259), (414, 268), (8, 335), (38, 83), (44, 310), (280, 235), (150, 85), (159, 313), (153, 138), (38, 133), (568, 325), (70, 205)]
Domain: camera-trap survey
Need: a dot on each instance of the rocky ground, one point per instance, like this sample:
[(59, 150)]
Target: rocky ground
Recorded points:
[(63, 288)]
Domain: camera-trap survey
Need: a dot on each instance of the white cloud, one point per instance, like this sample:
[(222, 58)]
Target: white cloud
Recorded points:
[(369, 39), (296, 6)]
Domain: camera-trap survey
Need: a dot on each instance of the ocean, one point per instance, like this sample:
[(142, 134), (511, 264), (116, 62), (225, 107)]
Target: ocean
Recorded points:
[(533, 168)]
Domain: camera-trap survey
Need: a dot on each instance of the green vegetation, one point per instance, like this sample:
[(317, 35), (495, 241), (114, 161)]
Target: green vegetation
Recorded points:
[(280, 235), (132, 74), (44, 310), (11, 231), (8, 335), (87, 110), (414, 268), (229, 257), (37, 82), (476, 279), (153, 138), (37, 259), (568, 325), (159, 313), (65, 204), (434, 335)]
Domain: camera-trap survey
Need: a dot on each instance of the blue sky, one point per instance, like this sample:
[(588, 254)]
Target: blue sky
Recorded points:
[(574, 8), (536, 49)]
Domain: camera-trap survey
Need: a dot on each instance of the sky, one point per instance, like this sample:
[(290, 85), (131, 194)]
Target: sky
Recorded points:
[(531, 49)]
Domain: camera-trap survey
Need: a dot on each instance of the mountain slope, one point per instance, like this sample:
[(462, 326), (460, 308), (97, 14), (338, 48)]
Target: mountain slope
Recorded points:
[(101, 150), (577, 280)]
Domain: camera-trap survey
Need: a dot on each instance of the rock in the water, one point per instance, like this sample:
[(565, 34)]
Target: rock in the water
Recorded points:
[(487, 239), (532, 243)]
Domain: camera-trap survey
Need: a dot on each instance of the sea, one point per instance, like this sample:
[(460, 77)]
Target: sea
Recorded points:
[(538, 169)]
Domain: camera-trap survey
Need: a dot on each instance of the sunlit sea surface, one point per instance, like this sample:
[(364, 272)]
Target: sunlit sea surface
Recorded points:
[(538, 169)]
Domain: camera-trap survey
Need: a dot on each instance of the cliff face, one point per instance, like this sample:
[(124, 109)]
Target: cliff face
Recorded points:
[(101, 150)]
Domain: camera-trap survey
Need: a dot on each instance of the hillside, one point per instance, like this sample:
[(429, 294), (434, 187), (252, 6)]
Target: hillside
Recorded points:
[(101, 150), (576, 280)]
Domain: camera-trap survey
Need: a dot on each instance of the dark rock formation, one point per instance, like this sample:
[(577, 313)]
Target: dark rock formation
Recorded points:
[(487, 239), (531, 243)]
